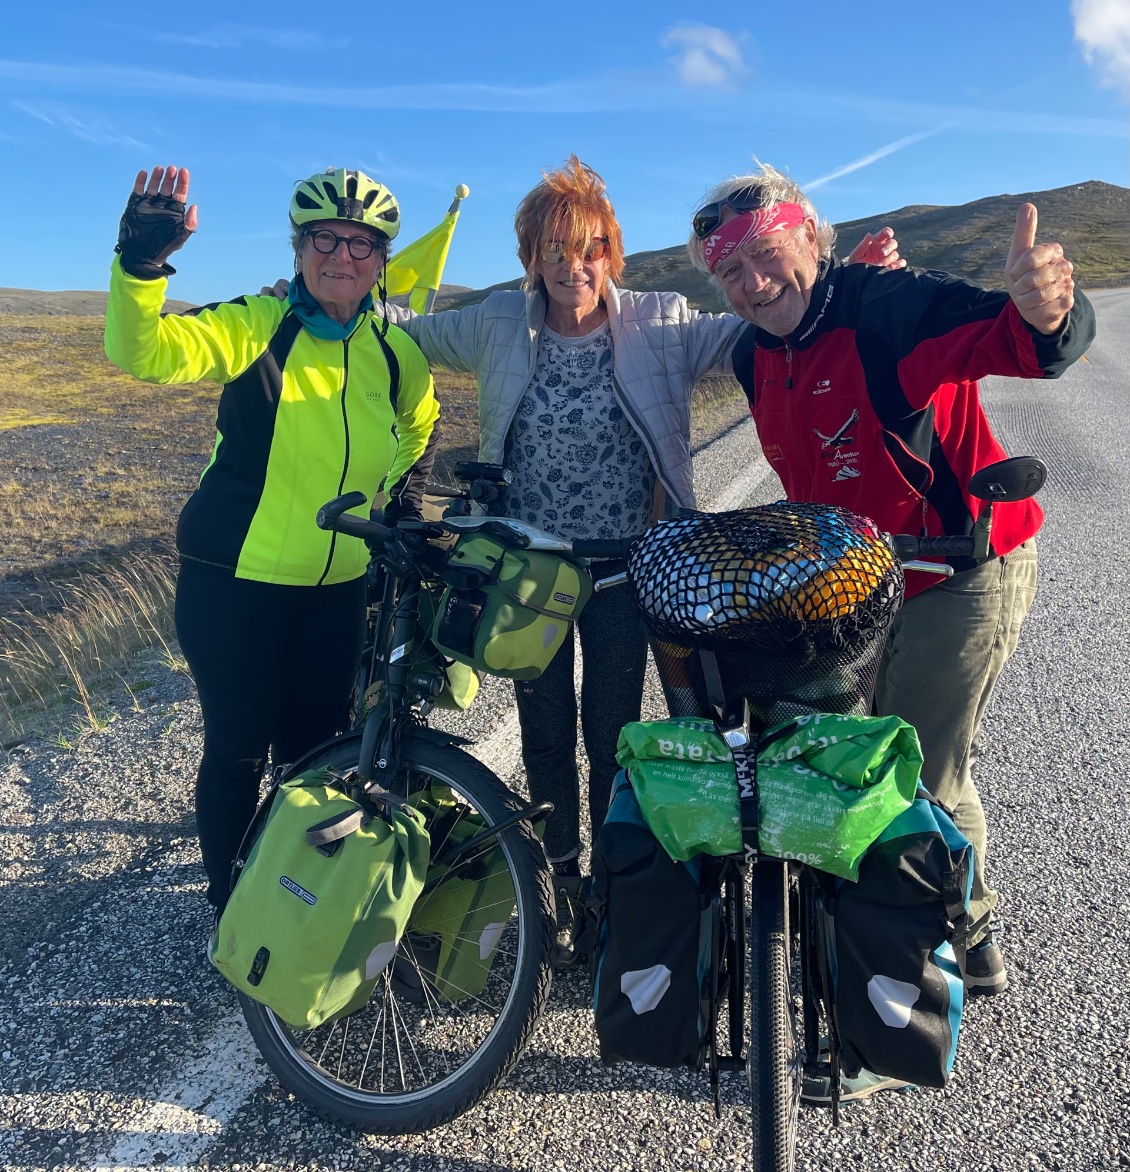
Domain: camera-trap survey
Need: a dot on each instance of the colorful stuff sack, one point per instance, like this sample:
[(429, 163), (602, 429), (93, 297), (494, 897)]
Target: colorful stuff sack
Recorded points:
[(653, 938), (321, 899), (896, 948), (460, 918), (828, 785), (507, 611)]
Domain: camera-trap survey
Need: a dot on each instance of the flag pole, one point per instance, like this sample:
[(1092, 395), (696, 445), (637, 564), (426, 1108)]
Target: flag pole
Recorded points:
[(461, 193)]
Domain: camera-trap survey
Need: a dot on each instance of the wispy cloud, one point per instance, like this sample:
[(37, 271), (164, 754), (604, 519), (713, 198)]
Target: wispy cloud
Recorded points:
[(576, 95), (98, 133), (236, 36), (1102, 27), (873, 157), (706, 56)]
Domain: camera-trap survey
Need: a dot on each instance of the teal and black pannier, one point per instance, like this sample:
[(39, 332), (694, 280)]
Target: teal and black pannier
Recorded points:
[(896, 943)]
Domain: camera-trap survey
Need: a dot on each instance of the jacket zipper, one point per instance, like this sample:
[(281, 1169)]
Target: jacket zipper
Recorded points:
[(622, 399), (789, 371), (345, 458)]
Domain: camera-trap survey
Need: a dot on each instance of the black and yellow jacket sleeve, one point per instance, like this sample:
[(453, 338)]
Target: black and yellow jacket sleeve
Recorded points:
[(300, 421)]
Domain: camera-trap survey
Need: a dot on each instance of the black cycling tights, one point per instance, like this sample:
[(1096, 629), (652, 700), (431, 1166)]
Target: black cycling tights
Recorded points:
[(274, 666)]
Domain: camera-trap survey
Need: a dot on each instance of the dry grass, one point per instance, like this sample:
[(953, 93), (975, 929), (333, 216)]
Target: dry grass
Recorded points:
[(58, 654), (96, 466)]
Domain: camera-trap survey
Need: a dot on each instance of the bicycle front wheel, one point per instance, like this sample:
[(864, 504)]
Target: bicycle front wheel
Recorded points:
[(775, 1060), (452, 1014)]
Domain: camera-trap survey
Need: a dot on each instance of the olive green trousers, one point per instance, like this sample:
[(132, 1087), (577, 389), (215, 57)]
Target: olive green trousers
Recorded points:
[(947, 648)]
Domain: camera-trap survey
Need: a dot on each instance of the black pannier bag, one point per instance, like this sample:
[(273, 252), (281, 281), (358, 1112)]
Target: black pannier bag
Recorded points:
[(652, 926), (896, 943)]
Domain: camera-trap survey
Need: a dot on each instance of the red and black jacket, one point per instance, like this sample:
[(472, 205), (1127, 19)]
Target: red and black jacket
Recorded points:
[(872, 403)]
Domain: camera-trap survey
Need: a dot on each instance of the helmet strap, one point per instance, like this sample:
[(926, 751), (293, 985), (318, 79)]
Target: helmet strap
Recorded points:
[(384, 305)]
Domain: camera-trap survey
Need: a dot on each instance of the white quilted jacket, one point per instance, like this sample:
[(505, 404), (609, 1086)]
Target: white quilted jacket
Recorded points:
[(660, 346)]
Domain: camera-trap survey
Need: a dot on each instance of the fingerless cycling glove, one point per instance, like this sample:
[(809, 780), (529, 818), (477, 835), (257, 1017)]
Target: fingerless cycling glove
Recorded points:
[(152, 229)]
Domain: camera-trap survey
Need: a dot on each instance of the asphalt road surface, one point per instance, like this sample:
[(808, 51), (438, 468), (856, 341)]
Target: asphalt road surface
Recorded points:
[(121, 1048)]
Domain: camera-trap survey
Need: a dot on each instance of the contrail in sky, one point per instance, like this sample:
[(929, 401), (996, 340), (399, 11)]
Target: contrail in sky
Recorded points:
[(873, 157)]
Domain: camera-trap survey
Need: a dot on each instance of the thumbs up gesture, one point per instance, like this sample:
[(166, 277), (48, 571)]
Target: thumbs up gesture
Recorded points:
[(1038, 276)]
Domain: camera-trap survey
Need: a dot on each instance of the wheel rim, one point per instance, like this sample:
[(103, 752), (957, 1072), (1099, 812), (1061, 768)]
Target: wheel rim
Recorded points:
[(417, 1033)]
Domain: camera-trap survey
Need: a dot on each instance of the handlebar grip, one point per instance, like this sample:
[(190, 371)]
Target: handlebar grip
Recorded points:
[(329, 513), (907, 547), (602, 547), (359, 527)]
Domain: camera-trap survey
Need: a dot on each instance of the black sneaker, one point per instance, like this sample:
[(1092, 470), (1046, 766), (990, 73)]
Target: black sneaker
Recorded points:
[(985, 974), (570, 889)]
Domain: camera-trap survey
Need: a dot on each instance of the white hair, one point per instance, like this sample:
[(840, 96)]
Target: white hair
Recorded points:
[(777, 189)]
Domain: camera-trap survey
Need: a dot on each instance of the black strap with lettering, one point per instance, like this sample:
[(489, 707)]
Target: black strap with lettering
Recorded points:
[(728, 716)]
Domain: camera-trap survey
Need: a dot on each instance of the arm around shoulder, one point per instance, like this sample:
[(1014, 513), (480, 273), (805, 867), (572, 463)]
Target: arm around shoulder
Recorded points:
[(710, 339), (450, 339), (417, 409)]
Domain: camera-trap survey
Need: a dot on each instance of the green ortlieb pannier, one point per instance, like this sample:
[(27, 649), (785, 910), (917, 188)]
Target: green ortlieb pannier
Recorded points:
[(322, 898), (467, 902), (507, 611)]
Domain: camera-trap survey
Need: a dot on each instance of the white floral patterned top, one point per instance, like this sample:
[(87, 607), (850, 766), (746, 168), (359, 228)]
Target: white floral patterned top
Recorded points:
[(579, 467)]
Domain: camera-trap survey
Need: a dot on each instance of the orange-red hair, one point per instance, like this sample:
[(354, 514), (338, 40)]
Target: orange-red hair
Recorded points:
[(568, 205)]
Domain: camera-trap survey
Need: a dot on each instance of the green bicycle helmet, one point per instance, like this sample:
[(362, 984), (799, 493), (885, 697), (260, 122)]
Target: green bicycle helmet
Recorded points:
[(338, 194)]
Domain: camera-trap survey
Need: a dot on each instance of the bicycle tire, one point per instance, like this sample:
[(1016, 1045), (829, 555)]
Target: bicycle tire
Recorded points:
[(411, 1060), (775, 1061)]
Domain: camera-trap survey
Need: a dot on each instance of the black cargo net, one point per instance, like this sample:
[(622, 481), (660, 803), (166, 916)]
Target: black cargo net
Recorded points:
[(795, 600)]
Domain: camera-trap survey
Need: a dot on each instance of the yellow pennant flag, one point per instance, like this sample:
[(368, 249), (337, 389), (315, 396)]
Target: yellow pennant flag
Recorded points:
[(417, 268)]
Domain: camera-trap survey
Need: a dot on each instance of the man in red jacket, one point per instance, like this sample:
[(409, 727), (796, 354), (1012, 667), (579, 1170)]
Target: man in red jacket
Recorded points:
[(863, 385)]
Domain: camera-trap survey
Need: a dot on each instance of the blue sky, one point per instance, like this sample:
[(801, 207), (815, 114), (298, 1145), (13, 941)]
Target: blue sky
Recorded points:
[(873, 106)]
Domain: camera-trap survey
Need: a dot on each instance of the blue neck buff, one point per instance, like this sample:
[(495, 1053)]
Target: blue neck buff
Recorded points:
[(315, 318)]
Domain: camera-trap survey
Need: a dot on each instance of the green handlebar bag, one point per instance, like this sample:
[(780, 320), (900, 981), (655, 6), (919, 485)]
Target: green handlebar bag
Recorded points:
[(321, 900), (828, 786), (507, 611)]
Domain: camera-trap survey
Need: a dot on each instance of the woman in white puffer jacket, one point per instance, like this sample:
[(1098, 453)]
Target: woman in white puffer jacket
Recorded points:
[(585, 395)]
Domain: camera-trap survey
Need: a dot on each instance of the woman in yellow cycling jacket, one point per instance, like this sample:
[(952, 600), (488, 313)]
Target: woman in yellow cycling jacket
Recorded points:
[(321, 397)]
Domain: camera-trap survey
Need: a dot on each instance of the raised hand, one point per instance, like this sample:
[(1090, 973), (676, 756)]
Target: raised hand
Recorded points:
[(155, 223), (880, 249), (1038, 276)]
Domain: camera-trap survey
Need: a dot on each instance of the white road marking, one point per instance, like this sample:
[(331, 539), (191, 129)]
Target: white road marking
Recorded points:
[(194, 1107)]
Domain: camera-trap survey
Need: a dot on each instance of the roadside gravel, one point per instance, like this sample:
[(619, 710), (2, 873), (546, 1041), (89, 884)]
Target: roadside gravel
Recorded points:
[(119, 1046)]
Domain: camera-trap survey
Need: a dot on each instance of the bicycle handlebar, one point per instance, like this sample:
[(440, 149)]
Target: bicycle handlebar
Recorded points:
[(907, 547), (603, 547), (333, 517)]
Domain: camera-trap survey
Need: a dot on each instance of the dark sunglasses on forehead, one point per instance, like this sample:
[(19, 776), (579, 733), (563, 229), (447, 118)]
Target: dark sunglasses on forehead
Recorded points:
[(745, 199), (360, 247), (555, 251)]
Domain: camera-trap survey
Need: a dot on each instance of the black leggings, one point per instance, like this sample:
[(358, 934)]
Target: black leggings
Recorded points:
[(274, 666), (614, 651)]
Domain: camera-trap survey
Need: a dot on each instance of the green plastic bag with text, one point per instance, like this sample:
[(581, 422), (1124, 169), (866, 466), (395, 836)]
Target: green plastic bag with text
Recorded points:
[(828, 786)]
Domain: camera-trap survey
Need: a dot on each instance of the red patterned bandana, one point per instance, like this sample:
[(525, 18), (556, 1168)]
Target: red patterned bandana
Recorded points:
[(729, 237)]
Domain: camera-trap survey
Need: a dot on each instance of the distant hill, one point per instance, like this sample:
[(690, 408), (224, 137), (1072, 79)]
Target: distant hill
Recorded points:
[(92, 303), (70, 302), (1091, 220)]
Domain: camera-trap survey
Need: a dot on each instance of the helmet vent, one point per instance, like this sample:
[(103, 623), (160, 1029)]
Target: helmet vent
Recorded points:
[(351, 186), (370, 196), (331, 192), (304, 201)]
